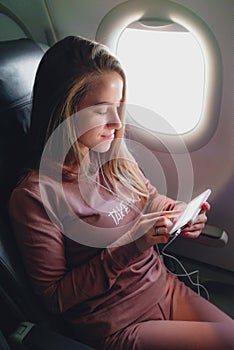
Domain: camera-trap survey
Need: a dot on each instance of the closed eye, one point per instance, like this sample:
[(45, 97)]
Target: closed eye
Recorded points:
[(101, 111), (104, 108)]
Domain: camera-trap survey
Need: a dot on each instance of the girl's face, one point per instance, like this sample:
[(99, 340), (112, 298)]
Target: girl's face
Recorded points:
[(98, 113)]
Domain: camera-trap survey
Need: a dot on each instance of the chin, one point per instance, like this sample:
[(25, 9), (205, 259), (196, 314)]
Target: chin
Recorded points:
[(102, 147)]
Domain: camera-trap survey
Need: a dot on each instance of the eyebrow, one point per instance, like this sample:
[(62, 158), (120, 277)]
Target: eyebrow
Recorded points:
[(106, 103), (102, 103)]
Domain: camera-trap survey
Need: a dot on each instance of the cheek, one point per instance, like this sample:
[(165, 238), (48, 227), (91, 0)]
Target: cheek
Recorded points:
[(86, 123), (92, 139), (89, 138)]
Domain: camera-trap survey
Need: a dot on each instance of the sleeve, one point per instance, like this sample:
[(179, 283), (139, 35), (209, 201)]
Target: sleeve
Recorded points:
[(42, 246), (159, 202)]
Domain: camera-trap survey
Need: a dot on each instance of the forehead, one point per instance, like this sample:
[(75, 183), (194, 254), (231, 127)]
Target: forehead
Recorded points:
[(106, 88)]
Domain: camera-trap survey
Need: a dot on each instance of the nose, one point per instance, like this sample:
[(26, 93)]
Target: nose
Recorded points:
[(114, 121)]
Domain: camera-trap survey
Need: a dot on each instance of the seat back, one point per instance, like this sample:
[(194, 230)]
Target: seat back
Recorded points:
[(17, 301), (19, 60)]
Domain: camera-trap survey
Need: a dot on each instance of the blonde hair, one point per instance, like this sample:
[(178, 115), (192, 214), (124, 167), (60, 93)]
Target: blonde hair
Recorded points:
[(63, 79)]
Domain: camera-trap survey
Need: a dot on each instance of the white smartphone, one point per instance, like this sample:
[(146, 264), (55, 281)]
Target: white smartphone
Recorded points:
[(190, 213)]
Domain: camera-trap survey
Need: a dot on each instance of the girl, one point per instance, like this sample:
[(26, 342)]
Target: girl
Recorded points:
[(87, 220)]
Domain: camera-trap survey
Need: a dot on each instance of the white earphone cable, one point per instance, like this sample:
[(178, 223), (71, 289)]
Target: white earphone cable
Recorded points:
[(186, 273)]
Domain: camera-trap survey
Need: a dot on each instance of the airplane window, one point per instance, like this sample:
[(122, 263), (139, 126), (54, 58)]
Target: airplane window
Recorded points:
[(174, 70), (170, 81)]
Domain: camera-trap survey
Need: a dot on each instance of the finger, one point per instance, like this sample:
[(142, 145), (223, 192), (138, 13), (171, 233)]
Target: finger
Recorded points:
[(161, 230), (147, 221), (163, 225), (201, 219), (191, 234), (195, 227), (169, 214), (161, 239), (148, 240), (204, 207), (193, 231)]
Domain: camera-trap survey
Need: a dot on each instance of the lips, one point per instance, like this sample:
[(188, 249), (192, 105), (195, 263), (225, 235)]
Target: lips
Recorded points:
[(108, 137)]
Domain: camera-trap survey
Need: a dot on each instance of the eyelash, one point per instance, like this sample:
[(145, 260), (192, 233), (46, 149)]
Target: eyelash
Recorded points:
[(102, 113), (106, 111)]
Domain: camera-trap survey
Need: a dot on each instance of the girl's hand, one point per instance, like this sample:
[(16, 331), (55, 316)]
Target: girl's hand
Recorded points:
[(194, 230), (153, 228)]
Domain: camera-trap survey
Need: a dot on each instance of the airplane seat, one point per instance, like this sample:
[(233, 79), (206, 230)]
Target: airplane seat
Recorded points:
[(18, 61), (23, 320)]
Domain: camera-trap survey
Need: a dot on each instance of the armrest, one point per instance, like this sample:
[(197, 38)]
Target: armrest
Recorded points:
[(29, 336), (213, 237)]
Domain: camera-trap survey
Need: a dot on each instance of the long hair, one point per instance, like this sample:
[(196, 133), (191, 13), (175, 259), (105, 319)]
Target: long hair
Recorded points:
[(63, 78)]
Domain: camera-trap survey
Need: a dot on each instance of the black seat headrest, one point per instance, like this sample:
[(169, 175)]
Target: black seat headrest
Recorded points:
[(19, 60), (18, 64)]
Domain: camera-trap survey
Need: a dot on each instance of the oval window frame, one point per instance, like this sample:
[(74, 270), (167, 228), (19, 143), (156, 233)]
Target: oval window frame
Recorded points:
[(121, 16)]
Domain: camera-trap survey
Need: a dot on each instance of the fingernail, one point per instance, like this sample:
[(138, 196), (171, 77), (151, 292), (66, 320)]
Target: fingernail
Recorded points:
[(185, 233), (205, 204)]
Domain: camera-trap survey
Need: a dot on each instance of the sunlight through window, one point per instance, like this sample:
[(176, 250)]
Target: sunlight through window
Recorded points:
[(165, 72)]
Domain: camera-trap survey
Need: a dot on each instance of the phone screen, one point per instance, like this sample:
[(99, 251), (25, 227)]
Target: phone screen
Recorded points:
[(191, 211)]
